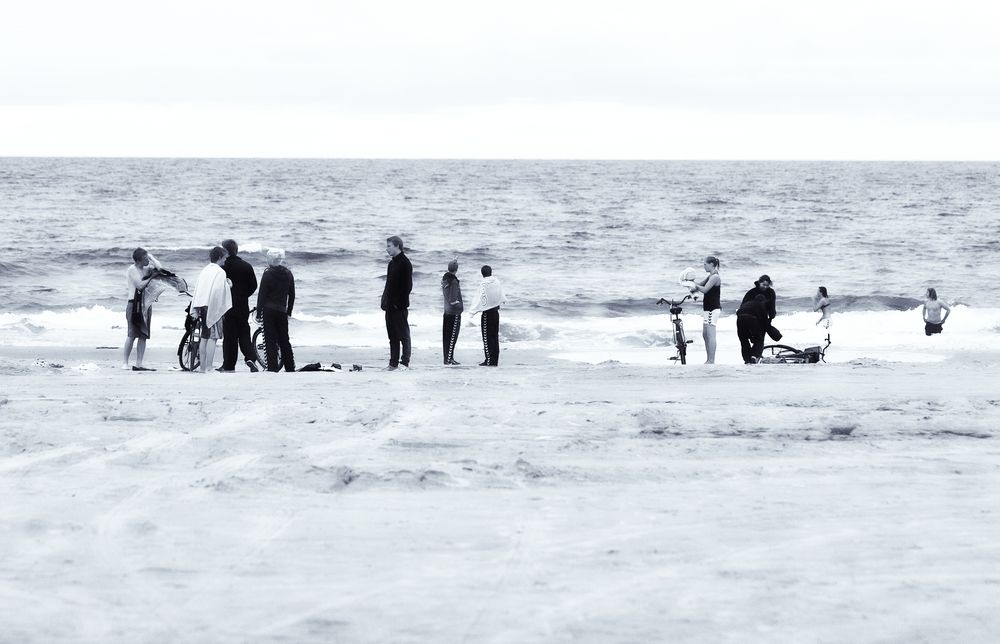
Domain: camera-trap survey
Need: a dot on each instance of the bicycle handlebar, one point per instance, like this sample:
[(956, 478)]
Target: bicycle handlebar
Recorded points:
[(687, 297)]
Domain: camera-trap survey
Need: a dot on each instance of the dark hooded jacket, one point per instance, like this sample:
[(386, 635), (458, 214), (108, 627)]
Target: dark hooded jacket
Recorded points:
[(755, 309), (277, 290), (768, 293), (451, 290)]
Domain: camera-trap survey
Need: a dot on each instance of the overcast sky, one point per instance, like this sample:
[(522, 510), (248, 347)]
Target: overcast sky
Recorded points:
[(541, 79)]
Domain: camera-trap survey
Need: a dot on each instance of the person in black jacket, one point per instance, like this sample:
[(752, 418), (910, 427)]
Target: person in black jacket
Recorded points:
[(451, 291), (763, 287), (396, 302), (751, 320), (274, 306), (236, 326)]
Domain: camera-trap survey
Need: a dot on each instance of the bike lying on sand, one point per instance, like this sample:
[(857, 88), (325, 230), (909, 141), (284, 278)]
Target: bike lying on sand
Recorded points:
[(784, 354), (679, 340), (188, 350)]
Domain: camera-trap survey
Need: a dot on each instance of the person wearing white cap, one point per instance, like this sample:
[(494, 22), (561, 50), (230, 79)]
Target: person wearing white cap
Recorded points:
[(275, 299)]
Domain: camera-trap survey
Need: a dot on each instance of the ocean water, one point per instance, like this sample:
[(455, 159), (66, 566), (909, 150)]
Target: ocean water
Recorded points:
[(583, 248)]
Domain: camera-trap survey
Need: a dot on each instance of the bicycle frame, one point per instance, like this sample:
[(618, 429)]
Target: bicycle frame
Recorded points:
[(679, 339)]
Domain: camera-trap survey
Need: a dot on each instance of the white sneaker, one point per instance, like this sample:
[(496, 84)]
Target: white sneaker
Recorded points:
[(125, 366)]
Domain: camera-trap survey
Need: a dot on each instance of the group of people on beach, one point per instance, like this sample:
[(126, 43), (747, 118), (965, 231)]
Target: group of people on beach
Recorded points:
[(755, 316), (220, 308), (396, 304)]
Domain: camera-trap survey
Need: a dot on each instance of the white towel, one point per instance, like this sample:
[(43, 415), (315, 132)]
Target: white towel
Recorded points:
[(490, 295), (213, 291)]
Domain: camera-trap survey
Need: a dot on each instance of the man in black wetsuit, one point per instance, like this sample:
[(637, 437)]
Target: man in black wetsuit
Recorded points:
[(751, 320), (763, 287), (396, 302), (236, 326)]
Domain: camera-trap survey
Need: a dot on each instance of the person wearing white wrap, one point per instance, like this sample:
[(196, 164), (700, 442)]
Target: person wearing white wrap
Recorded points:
[(488, 301), (212, 300)]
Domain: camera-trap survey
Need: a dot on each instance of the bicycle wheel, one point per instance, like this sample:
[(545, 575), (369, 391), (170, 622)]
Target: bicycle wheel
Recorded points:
[(187, 353), (682, 346), (261, 351)]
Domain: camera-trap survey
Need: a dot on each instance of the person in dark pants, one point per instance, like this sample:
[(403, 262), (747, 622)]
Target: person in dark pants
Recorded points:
[(488, 300), (451, 291), (236, 326), (274, 306), (751, 322), (396, 302), (763, 286)]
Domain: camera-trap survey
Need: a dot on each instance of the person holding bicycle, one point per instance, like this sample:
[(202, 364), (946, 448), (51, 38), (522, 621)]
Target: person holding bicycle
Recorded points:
[(711, 286), (275, 299)]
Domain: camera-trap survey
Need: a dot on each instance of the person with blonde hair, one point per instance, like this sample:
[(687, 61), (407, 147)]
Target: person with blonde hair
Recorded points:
[(275, 299)]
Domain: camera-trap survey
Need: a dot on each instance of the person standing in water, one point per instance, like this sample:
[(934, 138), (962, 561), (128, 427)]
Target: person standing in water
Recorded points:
[(821, 302), (711, 286), (933, 321), (451, 291)]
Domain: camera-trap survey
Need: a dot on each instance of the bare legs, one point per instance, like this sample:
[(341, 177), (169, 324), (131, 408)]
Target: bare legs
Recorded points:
[(708, 335), (127, 351)]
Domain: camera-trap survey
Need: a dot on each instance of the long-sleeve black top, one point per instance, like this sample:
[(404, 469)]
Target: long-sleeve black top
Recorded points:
[(277, 290), (398, 284)]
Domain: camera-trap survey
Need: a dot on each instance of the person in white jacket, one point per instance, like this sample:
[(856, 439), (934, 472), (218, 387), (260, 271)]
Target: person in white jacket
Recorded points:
[(212, 299), (488, 301)]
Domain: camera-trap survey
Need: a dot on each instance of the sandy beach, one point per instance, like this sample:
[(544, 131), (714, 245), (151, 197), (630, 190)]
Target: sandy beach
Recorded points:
[(544, 501)]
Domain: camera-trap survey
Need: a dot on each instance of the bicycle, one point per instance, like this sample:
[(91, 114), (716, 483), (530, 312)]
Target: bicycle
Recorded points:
[(679, 339), (784, 354), (188, 350), (259, 349)]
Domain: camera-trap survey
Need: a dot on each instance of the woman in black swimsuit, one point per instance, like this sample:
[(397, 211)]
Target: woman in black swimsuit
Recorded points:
[(711, 286)]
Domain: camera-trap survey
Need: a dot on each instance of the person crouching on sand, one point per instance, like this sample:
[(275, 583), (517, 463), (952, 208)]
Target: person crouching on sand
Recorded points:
[(933, 322), (711, 286), (275, 300), (137, 276), (212, 299)]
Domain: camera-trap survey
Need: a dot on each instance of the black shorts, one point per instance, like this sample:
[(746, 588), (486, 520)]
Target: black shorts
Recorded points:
[(930, 328)]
